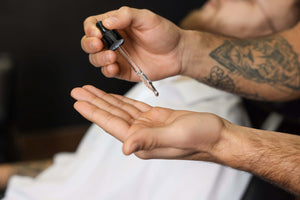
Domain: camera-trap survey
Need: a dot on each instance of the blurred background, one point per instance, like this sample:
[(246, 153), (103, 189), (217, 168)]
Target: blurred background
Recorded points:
[(41, 61)]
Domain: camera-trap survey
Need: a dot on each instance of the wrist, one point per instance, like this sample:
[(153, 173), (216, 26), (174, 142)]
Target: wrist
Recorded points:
[(190, 53), (230, 148), (197, 46)]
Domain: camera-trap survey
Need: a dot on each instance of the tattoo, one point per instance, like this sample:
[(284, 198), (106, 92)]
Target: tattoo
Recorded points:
[(250, 96), (268, 60), (31, 169), (218, 79)]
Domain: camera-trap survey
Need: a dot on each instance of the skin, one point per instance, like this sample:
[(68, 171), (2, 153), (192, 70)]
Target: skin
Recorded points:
[(161, 133), (264, 68), (155, 51), (198, 54), (243, 18), (217, 17)]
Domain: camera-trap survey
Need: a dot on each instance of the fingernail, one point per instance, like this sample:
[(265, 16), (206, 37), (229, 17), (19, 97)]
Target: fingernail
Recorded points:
[(108, 22)]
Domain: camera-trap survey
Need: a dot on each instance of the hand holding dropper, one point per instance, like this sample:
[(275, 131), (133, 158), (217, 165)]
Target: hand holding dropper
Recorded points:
[(114, 41)]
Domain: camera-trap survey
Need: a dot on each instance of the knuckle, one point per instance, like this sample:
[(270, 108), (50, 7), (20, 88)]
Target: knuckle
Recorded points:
[(93, 114), (120, 104), (88, 26), (146, 11), (107, 58), (85, 25), (147, 142), (152, 144), (125, 10), (94, 100), (87, 20), (92, 60), (149, 14)]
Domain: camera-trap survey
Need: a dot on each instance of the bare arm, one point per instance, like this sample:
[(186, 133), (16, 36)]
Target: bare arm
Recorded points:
[(265, 68), (271, 155), (30, 168), (154, 132)]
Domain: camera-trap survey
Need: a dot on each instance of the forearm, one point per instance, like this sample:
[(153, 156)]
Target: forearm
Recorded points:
[(30, 168), (265, 69), (273, 156)]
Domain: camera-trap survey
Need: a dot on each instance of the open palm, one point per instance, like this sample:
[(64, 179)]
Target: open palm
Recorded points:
[(150, 132)]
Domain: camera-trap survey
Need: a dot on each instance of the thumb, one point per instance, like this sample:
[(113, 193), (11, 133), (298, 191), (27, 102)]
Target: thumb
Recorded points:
[(145, 139)]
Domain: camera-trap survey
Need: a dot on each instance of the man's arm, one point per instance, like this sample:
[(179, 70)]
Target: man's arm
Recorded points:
[(154, 132), (271, 155), (265, 68), (30, 168)]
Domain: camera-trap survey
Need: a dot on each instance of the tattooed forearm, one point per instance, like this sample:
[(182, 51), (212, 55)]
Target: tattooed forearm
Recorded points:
[(30, 168), (250, 96), (219, 79), (269, 60)]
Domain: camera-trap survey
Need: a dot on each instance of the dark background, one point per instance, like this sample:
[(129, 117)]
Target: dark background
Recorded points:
[(42, 38), (41, 41)]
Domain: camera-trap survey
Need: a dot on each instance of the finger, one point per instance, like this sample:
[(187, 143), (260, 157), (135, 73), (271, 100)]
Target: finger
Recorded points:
[(90, 27), (151, 146), (91, 44), (143, 107), (111, 70), (133, 111), (112, 124), (82, 94), (103, 58), (147, 139)]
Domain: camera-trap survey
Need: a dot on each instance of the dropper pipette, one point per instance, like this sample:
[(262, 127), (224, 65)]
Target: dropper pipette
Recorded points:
[(114, 41)]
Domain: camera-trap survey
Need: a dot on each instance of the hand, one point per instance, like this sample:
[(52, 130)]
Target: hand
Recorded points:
[(153, 42), (243, 18), (151, 132)]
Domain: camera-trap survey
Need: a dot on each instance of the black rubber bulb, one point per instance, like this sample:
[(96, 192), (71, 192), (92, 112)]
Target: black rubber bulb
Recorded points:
[(112, 39)]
